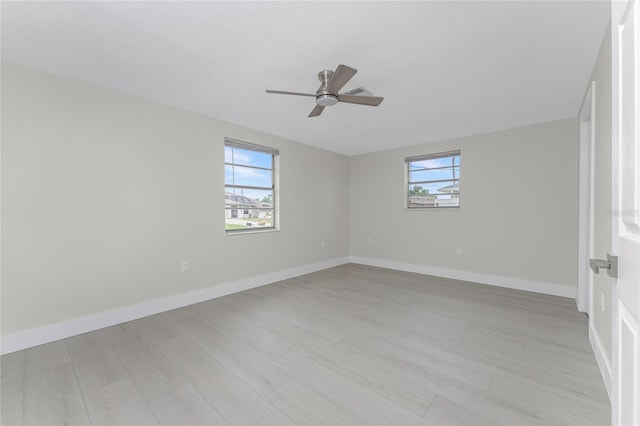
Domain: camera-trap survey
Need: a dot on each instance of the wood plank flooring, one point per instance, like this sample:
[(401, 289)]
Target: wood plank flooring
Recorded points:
[(345, 346)]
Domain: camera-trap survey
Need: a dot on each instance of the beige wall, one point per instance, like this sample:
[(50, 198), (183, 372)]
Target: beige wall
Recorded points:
[(518, 215), (602, 192), (104, 194)]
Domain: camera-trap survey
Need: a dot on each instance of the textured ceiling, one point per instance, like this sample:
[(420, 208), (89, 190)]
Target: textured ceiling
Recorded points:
[(446, 69)]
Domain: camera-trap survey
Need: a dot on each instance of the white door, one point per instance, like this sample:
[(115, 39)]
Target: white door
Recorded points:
[(625, 29)]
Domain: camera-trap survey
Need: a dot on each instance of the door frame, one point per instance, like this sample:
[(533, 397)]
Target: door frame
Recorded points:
[(584, 292)]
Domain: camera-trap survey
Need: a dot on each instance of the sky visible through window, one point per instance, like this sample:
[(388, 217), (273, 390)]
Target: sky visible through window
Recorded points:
[(237, 175)]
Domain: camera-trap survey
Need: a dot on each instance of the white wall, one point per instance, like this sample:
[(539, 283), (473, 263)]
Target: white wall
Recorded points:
[(104, 194), (518, 215)]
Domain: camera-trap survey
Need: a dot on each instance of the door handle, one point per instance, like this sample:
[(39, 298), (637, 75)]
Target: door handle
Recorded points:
[(611, 265)]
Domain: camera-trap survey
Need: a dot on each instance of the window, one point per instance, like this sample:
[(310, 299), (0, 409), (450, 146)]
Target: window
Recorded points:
[(433, 180), (250, 190)]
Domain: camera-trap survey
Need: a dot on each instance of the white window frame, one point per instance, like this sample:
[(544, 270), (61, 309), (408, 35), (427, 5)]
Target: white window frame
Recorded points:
[(408, 183), (275, 156)]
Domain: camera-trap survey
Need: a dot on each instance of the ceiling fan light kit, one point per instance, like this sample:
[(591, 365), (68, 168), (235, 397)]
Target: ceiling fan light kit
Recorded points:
[(328, 93), (326, 100)]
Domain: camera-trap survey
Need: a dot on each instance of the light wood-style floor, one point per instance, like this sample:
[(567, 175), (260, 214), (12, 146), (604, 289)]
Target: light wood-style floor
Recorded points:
[(347, 345)]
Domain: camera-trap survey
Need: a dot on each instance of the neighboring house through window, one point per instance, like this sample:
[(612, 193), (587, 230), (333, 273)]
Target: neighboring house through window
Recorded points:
[(433, 180), (250, 192)]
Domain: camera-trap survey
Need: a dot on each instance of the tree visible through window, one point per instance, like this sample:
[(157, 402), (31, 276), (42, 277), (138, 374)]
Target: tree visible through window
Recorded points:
[(433, 180), (250, 186)]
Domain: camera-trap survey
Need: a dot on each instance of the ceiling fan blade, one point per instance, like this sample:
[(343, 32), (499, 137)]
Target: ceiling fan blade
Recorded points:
[(340, 77), (280, 92), (360, 100), (360, 91), (316, 111)]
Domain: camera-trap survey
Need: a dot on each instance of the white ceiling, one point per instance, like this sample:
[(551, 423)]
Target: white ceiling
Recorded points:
[(446, 69)]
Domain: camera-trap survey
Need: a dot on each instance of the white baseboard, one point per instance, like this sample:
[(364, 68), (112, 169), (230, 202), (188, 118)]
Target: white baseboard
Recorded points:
[(495, 280), (49, 333), (603, 361)]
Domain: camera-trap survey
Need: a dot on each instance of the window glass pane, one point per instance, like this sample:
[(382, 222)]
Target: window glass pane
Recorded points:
[(447, 187), (249, 187), (246, 208), (434, 174), (255, 198), (434, 182), (248, 218), (432, 201), (434, 194), (247, 157), (435, 163), (247, 176), (430, 164), (227, 154)]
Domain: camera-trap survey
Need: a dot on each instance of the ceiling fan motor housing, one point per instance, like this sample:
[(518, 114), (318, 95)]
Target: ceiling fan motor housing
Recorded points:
[(323, 97), (325, 75)]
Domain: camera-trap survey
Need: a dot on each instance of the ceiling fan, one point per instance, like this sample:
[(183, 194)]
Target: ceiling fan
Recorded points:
[(328, 93)]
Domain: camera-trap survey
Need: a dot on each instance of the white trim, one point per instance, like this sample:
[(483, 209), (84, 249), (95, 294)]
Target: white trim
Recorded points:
[(495, 280), (604, 364), (49, 333), (627, 368), (587, 117)]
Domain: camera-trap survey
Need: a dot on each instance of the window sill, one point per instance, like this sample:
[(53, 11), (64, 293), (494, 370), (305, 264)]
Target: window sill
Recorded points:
[(422, 209), (252, 231)]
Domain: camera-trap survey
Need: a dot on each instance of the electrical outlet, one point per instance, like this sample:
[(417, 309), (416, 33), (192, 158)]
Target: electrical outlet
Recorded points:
[(322, 244), (185, 266), (459, 251), (601, 301), (369, 241)]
